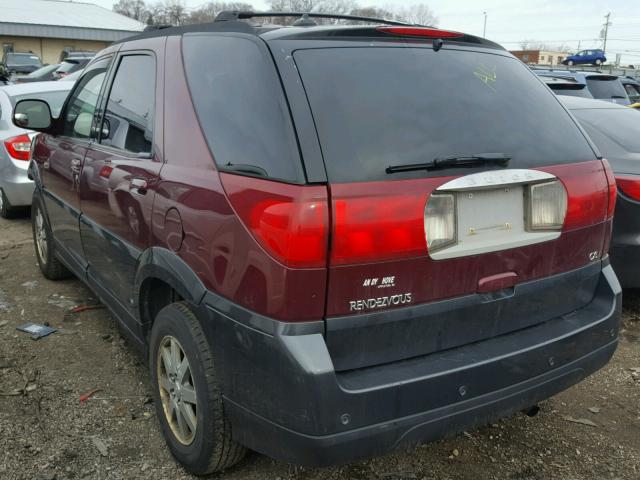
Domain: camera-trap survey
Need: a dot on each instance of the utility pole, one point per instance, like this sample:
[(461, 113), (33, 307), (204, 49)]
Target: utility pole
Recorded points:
[(605, 31), (484, 30)]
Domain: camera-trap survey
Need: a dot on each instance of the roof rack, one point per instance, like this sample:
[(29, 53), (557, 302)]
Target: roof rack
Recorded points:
[(243, 15)]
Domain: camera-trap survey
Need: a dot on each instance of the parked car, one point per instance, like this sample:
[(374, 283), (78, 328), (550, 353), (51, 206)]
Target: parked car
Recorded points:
[(69, 66), (586, 57), (616, 132), (632, 87), (42, 74), (602, 86), (21, 62), (567, 86), (16, 190), (76, 54), (309, 242)]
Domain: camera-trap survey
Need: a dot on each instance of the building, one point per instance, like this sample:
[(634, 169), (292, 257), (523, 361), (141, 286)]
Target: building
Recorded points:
[(50, 27), (540, 57)]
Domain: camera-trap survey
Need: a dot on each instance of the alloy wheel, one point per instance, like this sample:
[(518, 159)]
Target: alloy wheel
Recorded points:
[(41, 236), (177, 390)]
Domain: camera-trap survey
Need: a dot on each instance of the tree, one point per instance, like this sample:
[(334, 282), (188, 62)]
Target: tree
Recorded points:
[(135, 9), (208, 12), (419, 14)]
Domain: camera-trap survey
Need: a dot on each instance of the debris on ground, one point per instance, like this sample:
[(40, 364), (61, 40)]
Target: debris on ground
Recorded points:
[(594, 409), (36, 331), (86, 396), (100, 445), (581, 421), (84, 308)]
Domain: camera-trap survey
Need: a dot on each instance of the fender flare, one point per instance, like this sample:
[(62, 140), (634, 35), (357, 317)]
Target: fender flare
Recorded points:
[(165, 265)]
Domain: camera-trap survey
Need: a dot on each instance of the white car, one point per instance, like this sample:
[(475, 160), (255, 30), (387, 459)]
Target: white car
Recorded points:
[(15, 143)]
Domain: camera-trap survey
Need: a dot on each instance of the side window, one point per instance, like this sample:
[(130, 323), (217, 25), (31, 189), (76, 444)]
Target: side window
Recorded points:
[(128, 119), (80, 110)]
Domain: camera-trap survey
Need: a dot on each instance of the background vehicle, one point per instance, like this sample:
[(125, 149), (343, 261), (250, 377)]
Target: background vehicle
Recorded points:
[(16, 189), (591, 57), (616, 132), (69, 66), (334, 234), (76, 54), (21, 62), (601, 85), (632, 87), (41, 75), (566, 86)]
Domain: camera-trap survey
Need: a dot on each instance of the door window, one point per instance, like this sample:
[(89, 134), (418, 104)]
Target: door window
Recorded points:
[(80, 110), (128, 119)]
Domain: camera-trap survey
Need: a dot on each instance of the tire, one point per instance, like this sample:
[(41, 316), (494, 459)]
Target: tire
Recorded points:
[(208, 447), (598, 63), (570, 63), (49, 264), (6, 210)]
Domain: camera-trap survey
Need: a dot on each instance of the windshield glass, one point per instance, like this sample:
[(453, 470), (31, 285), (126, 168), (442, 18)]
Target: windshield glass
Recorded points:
[(606, 87), (622, 125), (42, 71), (22, 59), (380, 107), (66, 67), (571, 90), (54, 99)]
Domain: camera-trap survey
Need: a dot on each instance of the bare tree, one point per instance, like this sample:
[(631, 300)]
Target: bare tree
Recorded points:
[(373, 12), (419, 14), (537, 45), (135, 9), (208, 12)]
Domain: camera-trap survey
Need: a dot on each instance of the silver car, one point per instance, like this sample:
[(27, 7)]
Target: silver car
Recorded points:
[(15, 143)]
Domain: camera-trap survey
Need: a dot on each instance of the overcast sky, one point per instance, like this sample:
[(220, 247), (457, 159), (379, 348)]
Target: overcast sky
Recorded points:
[(511, 21)]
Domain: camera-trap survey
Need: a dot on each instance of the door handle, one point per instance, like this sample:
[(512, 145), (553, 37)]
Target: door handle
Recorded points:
[(139, 184)]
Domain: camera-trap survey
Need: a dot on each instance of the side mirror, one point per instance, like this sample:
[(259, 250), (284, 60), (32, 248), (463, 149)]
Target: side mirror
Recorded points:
[(33, 115)]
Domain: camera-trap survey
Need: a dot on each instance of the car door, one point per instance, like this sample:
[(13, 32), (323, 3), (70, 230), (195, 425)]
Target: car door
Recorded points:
[(118, 178), (60, 158)]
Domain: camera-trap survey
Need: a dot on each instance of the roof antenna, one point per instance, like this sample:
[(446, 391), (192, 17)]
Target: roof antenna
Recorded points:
[(304, 21), (437, 44)]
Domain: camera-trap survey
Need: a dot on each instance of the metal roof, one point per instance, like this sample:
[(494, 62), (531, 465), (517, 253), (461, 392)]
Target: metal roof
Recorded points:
[(64, 19)]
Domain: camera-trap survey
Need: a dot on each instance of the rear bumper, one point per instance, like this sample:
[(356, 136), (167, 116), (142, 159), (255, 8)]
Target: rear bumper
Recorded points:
[(16, 184), (285, 399)]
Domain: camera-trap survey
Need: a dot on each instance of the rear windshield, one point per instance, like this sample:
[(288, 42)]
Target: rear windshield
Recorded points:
[(54, 99), (42, 71), (621, 125), (606, 87), (380, 107), (66, 67), (22, 59), (571, 90)]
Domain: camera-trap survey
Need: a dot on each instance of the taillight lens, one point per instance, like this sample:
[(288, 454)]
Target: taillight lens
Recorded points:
[(629, 185), (289, 221), (440, 221), (547, 205), (19, 147)]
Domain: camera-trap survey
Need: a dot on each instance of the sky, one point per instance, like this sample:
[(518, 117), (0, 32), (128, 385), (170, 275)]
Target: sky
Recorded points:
[(576, 23)]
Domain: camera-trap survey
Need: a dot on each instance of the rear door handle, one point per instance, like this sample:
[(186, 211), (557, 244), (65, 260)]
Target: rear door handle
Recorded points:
[(139, 184)]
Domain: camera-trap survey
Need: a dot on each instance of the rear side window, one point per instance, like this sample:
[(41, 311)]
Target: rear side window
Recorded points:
[(380, 107), (241, 108), (128, 118), (619, 125)]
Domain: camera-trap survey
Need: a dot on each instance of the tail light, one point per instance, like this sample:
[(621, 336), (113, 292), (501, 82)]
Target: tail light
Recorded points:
[(546, 206), (290, 222), (19, 147), (629, 185), (613, 189)]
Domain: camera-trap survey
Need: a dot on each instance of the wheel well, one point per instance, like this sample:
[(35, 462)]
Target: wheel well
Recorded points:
[(155, 294)]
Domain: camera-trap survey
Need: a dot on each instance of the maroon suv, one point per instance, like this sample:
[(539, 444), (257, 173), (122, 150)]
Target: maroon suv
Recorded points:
[(329, 241)]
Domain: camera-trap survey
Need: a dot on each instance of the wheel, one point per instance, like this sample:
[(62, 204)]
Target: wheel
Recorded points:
[(186, 393), (6, 210), (598, 62), (570, 63), (49, 264)]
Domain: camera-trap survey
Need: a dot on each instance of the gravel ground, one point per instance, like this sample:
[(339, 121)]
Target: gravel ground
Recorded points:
[(47, 433)]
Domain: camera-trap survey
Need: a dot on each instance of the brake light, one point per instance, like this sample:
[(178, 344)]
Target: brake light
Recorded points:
[(19, 147), (105, 172), (420, 32), (629, 185), (289, 221)]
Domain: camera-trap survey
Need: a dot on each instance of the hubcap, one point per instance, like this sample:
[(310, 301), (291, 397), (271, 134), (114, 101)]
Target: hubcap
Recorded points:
[(177, 390), (1, 199), (41, 236)]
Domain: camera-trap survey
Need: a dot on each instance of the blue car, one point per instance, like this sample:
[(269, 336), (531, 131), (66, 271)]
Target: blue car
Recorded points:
[(586, 57)]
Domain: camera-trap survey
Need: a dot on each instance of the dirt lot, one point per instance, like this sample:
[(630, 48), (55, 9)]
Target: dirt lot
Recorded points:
[(47, 433)]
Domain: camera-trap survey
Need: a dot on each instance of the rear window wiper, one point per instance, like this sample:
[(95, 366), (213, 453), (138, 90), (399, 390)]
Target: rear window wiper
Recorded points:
[(455, 161)]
